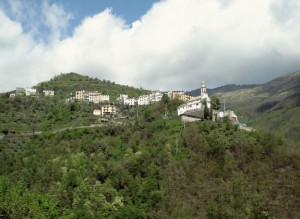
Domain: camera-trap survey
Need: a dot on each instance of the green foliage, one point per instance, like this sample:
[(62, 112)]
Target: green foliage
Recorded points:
[(230, 174), (94, 173), (28, 114), (165, 99), (151, 166), (285, 120), (18, 202), (206, 110), (215, 103), (64, 84)]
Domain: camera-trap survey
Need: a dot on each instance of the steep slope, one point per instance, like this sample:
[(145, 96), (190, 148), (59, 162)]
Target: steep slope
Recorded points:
[(273, 104), (225, 88), (245, 100), (154, 168), (285, 121), (282, 116), (285, 85)]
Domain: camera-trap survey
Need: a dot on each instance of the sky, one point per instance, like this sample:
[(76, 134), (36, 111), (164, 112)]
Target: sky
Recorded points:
[(154, 44)]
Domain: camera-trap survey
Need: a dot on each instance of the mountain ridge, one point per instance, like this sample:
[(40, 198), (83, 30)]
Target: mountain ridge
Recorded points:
[(270, 86), (272, 104)]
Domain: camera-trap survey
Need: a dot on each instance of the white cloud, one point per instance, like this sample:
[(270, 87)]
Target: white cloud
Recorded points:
[(11, 31), (56, 19), (27, 14), (174, 46), (13, 48)]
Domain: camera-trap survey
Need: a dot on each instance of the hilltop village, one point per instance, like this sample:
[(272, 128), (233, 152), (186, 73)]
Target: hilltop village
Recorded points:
[(192, 109)]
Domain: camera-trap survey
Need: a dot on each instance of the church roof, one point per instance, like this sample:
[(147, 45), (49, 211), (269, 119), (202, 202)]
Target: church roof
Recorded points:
[(199, 113)]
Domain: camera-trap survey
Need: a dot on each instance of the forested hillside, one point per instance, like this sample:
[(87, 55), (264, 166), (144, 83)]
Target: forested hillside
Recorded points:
[(64, 84), (29, 114), (58, 161), (154, 167)]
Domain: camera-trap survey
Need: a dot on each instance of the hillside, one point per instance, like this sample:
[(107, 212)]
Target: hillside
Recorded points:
[(28, 114), (283, 114), (253, 96), (269, 105), (225, 88), (283, 86), (58, 161), (65, 84), (246, 98), (152, 168)]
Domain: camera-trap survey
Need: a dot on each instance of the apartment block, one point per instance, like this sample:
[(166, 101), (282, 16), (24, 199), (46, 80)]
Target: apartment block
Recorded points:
[(130, 102), (143, 100)]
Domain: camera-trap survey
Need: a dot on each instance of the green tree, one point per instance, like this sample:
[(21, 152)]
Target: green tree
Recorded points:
[(206, 110), (165, 99), (215, 103)]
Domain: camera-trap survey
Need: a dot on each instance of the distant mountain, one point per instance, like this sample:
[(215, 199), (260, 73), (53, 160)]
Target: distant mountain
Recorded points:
[(281, 111), (285, 85), (226, 88), (274, 105), (247, 99)]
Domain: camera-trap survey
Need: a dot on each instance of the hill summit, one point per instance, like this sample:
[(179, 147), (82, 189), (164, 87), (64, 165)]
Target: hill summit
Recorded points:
[(66, 83)]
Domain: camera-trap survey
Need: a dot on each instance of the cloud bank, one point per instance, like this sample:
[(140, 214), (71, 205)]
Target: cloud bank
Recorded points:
[(175, 45)]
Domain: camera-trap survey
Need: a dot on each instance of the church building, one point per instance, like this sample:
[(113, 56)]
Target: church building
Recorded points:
[(196, 105)]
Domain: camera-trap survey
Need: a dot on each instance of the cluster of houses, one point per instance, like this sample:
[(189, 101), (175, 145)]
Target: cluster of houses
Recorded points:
[(90, 96), (191, 110), (110, 109), (143, 100), (30, 92), (154, 97)]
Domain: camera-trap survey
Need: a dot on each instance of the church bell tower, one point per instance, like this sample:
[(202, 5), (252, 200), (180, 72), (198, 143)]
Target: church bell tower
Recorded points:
[(203, 88)]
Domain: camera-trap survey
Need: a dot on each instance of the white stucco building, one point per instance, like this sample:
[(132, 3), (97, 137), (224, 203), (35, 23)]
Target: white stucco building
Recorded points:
[(97, 112), (155, 96), (104, 98), (230, 114), (130, 102), (123, 97), (94, 97), (143, 100), (30, 92), (195, 103)]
